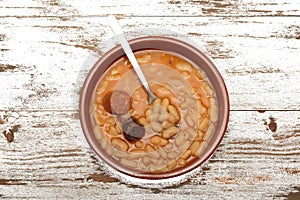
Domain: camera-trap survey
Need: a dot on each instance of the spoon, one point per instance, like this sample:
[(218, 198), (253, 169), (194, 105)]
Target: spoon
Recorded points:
[(116, 28)]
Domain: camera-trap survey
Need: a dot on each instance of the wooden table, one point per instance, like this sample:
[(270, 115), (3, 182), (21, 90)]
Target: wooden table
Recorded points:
[(44, 48)]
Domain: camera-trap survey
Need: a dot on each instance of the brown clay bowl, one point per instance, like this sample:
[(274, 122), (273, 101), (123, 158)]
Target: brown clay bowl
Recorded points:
[(159, 43)]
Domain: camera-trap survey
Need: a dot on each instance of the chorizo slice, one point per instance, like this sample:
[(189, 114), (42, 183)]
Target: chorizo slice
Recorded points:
[(116, 102)]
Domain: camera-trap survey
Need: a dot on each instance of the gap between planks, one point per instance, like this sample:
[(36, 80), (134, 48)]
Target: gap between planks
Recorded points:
[(151, 16)]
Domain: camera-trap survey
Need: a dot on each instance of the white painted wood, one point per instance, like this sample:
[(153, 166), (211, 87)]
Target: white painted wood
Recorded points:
[(49, 159), (47, 48), (67, 8), (44, 63)]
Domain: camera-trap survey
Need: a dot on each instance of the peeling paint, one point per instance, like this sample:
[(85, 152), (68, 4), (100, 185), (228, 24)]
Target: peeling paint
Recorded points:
[(288, 32), (6, 68)]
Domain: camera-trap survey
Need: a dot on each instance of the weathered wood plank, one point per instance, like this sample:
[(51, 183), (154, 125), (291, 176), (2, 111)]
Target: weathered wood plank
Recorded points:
[(49, 159), (44, 62), (71, 8), (44, 46)]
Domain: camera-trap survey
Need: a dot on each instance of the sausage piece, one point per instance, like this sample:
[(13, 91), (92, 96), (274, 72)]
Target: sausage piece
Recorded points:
[(133, 131), (116, 102)]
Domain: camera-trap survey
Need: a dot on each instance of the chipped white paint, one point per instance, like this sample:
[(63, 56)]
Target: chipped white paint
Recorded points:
[(65, 8), (248, 50), (251, 161), (44, 48)]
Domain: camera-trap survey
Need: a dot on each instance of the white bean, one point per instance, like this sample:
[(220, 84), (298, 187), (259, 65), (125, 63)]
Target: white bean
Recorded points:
[(137, 153), (184, 105), (144, 59), (184, 146), (152, 152), (204, 124), (202, 109), (157, 101), (213, 111), (209, 132), (162, 117), (148, 115), (104, 143), (129, 163), (179, 139), (153, 167), (172, 165), (139, 144), (120, 154), (173, 130), (190, 101), (113, 77), (175, 82), (117, 126), (141, 166), (93, 107), (98, 120), (171, 118), (181, 162), (200, 149), (97, 132), (166, 125), (157, 127), (165, 102), (156, 108), (113, 131), (156, 139), (200, 135), (174, 112), (194, 115), (192, 132), (162, 92), (194, 147), (114, 71), (154, 117), (205, 101), (186, 154), (169, 146), (209, 90), (184, 66), (163, 154), (189, 121), (172, 154), (109, 150), (163, 142), (163, 169), (120, 144), (146, 160), (143, 121)]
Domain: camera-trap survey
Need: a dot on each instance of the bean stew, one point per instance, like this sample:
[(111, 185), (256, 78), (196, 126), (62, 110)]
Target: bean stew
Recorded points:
[(165, 135)]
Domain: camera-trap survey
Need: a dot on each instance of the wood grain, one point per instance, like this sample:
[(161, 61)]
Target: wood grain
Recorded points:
[(54, 63), (49, 158), (65, 9), (47, 48)]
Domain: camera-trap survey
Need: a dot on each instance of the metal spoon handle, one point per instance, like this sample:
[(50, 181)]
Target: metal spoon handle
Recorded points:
[(116, 28)]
